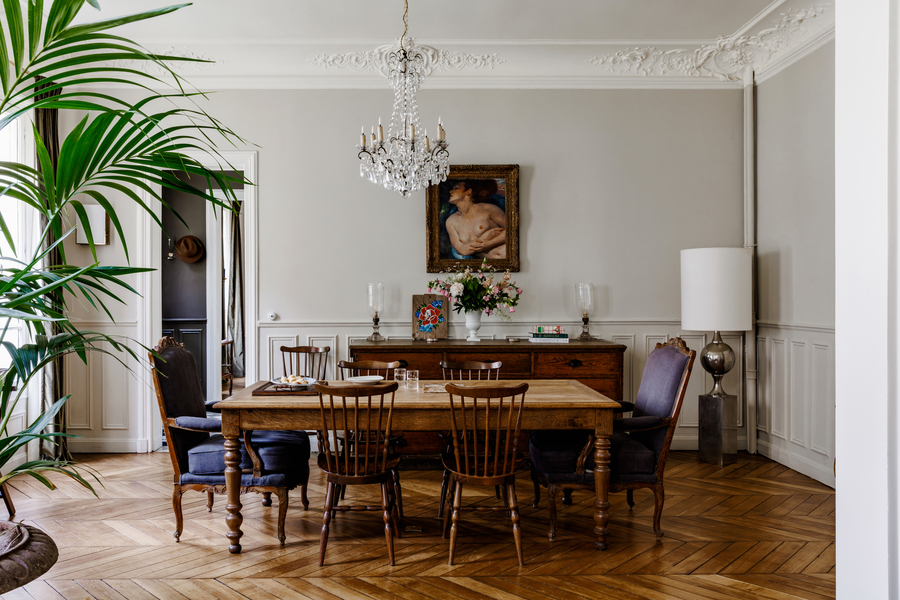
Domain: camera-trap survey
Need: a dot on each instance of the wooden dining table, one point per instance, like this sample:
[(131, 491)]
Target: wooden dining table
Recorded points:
[(549, 404)]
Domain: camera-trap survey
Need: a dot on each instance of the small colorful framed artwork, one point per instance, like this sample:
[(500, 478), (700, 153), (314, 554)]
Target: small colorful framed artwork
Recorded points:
[(430, 314)]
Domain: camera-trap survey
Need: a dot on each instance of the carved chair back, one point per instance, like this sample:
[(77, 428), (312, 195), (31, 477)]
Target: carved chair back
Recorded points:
[(361, 413), (470, 369), (486, 422), (178, 394), (367, 367), (661, 394), (314, 361)]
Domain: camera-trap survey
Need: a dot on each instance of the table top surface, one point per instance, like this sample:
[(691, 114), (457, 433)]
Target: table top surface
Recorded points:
[(542, 393)]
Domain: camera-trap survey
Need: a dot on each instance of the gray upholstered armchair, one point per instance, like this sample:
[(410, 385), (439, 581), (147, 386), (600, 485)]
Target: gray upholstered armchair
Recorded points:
[(564, 460), (272, 461)]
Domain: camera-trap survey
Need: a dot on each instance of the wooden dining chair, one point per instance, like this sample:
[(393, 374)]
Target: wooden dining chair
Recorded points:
[(347, 368), (314, 361), (563, 461), (385, 369), (463, 370), (228, 364), (485, 423), (470, 370), (362, 413)]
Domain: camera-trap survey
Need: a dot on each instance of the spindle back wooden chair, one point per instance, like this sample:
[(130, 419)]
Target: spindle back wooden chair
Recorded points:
[(362, 413), (485, 423), (470, 370), (315, 361), (385, 369), (347, 368), (463, 370)]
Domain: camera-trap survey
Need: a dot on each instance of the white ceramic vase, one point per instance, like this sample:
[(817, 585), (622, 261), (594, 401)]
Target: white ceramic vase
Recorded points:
[(473, 324)]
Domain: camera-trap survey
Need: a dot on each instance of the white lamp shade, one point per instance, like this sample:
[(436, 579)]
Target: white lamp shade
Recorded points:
[(716, 289)]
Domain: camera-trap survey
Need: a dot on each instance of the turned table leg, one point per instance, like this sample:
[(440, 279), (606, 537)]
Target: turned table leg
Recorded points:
[(601, 477), (231, 431)]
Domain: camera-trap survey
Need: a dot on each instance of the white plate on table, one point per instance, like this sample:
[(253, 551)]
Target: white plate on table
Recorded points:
[(307, 381), (365, 379)]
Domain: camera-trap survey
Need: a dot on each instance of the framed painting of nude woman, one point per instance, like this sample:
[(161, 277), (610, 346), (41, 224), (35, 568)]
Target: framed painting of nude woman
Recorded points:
[(474, 216)]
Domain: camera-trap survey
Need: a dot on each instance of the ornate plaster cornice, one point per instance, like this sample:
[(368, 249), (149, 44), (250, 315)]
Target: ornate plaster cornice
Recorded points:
[(377, 59), (725, 60)]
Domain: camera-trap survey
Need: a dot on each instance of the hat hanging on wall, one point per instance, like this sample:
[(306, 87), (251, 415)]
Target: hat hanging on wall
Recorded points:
[(189, 249)]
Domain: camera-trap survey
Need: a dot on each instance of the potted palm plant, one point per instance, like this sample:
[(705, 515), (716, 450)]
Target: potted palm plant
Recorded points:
[(119, 148)]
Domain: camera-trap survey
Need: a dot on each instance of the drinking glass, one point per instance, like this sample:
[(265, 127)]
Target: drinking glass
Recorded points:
[(412, 380), (400, 377)]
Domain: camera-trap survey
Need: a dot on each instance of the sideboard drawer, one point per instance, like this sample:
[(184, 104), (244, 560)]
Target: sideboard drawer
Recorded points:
[(577, 365)]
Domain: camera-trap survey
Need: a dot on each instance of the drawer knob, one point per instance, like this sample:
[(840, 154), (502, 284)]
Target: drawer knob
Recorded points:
[(574, 363)]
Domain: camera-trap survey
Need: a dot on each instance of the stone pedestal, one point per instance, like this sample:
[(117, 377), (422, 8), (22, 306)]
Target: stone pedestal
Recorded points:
[(718, 429)]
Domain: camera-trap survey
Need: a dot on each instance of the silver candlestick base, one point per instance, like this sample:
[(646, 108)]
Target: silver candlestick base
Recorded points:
[(717, 358), (375, 337), (585, 330)]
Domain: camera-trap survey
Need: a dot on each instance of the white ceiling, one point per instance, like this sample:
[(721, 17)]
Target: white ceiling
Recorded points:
[(567, 44), (434, 20)]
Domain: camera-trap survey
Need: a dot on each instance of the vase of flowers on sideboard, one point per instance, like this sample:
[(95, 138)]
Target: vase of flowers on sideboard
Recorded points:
[(477, 292)]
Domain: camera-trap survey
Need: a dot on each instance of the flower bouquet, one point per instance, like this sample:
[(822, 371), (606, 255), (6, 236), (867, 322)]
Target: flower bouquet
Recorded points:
[(480, 290)]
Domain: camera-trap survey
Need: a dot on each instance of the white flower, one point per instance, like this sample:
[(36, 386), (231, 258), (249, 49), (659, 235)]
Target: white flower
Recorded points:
[(456, 289)]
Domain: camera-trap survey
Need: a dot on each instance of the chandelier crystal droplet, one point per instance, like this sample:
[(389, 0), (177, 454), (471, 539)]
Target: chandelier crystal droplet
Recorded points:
[(407, 160)]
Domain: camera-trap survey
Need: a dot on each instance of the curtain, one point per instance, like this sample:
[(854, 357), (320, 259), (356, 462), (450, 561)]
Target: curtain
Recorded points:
[(47, 123), (234, 295)]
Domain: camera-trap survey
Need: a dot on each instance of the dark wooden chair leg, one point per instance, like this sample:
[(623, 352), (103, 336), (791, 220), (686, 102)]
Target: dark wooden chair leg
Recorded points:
[(454, 519), (659, 495), (552, 491), (395, 515), (513, 504), (179, 516), (629, 497), (444, 485), (210, 499), (387, 507), (267, 499), (567, 497), (7, 499), (326, 522), (399, 496), (303, 498), (448, 501), (537, 489), (282, 512)]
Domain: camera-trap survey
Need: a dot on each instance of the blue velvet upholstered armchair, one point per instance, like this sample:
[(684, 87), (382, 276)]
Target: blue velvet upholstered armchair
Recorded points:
[(272, 461), (564, 460)]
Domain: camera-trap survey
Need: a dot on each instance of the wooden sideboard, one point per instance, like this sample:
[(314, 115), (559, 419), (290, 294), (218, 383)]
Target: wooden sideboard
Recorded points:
[(597, 364)]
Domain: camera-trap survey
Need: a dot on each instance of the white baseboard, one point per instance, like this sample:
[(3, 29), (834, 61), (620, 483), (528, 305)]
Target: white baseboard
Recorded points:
[(111, 445), (799, 463), (689, 442)]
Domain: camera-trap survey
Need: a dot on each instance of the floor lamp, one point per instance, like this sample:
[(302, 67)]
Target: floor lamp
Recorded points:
[(716, 295)]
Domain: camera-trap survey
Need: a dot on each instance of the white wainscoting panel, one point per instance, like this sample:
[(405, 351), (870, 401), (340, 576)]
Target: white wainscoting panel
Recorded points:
[(639, 337), (796, 398)]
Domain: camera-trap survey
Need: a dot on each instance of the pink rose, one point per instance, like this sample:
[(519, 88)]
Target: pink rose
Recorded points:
[(511, 309), (519, 290)]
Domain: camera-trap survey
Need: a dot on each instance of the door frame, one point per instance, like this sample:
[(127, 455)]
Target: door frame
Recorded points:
[(150, 319)]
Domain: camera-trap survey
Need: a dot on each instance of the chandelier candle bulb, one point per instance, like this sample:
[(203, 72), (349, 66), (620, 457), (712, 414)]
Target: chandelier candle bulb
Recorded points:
[(362, 136)]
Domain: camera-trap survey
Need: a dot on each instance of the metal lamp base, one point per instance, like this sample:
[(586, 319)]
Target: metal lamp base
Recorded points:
[(717, 437), (375, 337), (717, 358)]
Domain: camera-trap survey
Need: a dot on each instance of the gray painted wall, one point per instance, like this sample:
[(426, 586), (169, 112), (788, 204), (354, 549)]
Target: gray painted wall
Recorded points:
[(796, 192)]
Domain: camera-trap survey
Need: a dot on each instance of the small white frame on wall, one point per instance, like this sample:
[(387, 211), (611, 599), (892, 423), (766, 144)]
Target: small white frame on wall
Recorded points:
[(99, 224)]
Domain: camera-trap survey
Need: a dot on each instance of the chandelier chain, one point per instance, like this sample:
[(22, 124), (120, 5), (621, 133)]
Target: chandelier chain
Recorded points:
[(405, 23)]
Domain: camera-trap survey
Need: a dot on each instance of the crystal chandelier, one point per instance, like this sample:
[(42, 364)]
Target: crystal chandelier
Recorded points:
[(407, 161)]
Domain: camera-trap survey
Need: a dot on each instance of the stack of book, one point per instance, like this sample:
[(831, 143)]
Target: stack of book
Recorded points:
[(549, 334)]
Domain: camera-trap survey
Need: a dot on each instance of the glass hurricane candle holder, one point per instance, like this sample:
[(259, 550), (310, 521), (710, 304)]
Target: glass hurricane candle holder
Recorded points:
[(376, 304), (584, 303)]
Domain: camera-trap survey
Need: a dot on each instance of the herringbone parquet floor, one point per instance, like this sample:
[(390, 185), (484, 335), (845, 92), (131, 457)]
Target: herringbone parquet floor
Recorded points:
[(754, 529)]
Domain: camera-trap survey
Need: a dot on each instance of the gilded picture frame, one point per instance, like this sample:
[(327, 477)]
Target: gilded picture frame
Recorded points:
[(473, 216)]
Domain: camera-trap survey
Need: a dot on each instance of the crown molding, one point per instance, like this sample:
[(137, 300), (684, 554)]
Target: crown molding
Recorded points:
[(792, 56), (507, 64), (730, 57)]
